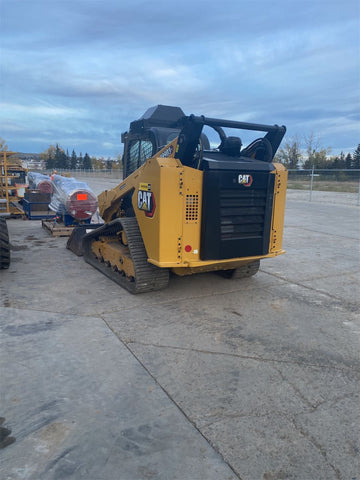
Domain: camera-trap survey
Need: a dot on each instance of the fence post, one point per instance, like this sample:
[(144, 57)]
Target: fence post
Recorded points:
[(358, 200), (311, 182)]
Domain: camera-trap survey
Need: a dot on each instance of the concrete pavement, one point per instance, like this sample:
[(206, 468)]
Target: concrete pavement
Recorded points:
[(209, 379)]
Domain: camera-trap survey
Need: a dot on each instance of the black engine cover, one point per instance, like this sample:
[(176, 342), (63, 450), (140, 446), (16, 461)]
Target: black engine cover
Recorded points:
[(237, 208)]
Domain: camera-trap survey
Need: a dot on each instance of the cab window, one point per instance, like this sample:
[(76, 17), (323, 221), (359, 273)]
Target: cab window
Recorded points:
[(133, 158), (146, 149), (139, 152)]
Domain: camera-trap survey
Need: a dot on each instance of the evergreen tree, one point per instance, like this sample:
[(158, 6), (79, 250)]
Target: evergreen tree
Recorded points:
[(60, 158), (73, 160), (80, 161), (57, 160), (334, 162), (67, 158), (356, 158), (50, 162), (348, 161), (340, 162), (87, 162)]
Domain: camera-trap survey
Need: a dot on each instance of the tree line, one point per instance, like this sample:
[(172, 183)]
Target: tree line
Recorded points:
[(55, 157), (292, 153), (293, 156)]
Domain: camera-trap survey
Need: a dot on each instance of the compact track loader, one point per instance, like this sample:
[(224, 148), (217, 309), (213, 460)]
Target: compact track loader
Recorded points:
[(186, 208)]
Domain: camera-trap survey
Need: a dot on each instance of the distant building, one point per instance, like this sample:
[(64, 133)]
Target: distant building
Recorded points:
[(31, 161)]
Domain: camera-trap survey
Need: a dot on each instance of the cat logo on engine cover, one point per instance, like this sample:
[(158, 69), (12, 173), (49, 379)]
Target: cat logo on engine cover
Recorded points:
[(146, 199), (245, 180)]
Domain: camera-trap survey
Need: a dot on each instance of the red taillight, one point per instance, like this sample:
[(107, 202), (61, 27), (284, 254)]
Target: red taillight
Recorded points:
[(188, 248)]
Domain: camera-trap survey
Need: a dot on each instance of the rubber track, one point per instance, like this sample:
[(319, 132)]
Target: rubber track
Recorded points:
[(247, 270), (4, 244), (148, 277), (244, 271)]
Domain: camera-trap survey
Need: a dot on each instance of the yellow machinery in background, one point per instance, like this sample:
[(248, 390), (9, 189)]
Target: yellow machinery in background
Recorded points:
[(186, 208), (12, 184)]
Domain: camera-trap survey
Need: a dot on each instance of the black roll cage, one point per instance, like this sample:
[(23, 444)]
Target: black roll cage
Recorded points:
[(191, 139), (262, 149)]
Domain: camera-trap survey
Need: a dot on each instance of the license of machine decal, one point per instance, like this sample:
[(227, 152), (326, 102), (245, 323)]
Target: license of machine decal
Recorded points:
[(146, 200), (245, 180), (169, 151)]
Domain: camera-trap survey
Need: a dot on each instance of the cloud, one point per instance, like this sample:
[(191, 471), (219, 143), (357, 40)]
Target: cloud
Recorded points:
[(12, 109), (81, 70)]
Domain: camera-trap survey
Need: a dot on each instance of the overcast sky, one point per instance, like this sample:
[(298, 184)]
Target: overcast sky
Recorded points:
[(76, 72)]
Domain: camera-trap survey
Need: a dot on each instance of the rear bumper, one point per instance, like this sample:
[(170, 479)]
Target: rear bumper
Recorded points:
[(198, 266)]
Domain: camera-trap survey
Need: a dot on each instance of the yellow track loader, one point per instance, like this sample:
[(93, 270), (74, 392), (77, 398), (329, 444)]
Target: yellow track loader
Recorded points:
[(184, 207)]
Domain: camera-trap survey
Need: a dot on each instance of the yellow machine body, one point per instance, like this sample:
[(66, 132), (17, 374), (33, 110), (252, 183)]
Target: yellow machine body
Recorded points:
[(187, 208), (167, 201)]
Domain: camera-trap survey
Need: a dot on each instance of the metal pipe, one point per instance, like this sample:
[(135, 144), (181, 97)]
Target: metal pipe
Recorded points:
[(215, 122)]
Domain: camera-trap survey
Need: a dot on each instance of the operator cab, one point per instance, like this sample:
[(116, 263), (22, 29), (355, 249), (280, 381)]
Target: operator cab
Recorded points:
[(161, 124)]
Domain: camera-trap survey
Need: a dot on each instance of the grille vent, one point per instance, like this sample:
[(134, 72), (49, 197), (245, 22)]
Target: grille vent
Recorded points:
[(242, 213), (192, 208), (236, 220)]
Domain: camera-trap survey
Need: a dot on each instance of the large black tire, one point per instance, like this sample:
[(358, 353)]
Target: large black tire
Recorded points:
[(4, 244)]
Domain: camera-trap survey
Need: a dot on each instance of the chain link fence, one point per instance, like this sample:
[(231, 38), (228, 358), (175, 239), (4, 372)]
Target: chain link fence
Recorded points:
[(342, 186), (84, 173), (331, 185)]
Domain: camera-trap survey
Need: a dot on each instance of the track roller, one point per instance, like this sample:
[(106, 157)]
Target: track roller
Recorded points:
[(117, 250)]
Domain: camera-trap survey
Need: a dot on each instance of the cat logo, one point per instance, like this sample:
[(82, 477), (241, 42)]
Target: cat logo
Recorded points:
[(245, 180), (146, 199)]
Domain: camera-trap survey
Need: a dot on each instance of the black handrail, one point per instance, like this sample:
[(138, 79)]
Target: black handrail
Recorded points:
[(215, 122)]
